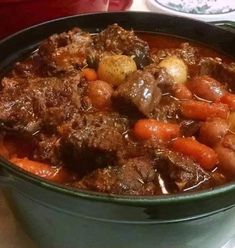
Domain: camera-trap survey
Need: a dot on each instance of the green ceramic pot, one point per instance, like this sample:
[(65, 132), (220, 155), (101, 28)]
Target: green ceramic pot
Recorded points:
[(60, 217)]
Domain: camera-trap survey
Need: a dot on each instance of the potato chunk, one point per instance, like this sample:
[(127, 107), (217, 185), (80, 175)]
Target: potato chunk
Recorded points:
[(114, 69), (176, 68)]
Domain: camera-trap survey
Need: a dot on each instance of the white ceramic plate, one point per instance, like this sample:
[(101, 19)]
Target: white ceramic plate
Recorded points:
[(154, 5)]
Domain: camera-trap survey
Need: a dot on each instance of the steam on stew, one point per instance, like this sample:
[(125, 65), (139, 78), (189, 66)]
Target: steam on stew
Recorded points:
[(115, 113)]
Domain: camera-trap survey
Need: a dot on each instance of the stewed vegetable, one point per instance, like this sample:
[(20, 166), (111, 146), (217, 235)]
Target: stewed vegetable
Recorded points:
[(152, 129), (176, 68), (115, 68), (206, 88), (112, 113)]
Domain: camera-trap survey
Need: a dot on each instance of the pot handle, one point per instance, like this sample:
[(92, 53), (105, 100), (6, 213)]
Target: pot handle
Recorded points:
[(228, 25)]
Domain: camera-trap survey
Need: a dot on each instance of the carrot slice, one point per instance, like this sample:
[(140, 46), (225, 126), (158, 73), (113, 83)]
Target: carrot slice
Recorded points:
[(182, 92), (90, 74), (151, 128), (202, 110), (229, 99), (56, 174), (201, 153)]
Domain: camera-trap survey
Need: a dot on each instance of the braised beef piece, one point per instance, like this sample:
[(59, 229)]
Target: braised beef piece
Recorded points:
[(168, 106), (27, 105), (47, 149), (167, 109), (116, 40), (93, 140), (178, 171), (147, 93), (224, 73), (140, 93), (164, 79), (190, 127), (136, 176), (65, 52), (29, 68), (163, 172)]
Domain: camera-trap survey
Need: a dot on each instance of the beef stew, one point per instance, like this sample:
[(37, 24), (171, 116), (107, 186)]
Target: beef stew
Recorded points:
[(121, 113)]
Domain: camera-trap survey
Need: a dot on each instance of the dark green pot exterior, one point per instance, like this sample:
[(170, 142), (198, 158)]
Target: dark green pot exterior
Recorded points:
[(59, 217), (76, 220)]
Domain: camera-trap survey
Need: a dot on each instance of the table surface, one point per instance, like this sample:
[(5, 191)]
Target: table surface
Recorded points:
[(11, 235)]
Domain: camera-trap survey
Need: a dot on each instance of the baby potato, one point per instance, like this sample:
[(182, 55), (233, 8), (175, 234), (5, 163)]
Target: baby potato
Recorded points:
[(176, 68), (231, 120), (114, 69)]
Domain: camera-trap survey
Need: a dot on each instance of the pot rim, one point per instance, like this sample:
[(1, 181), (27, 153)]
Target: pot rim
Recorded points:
[(104, 197)]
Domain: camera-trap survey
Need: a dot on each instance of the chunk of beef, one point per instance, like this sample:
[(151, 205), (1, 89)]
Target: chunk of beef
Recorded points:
[(65, 52), (136, 176), (164, 80), (47, 149), (224, 73), (93, 140), (167, 109), (190, 128), (140, 93), (208, 65), (29, 68), (180, 172), (168, 106), (116, 40), (27, 105)]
